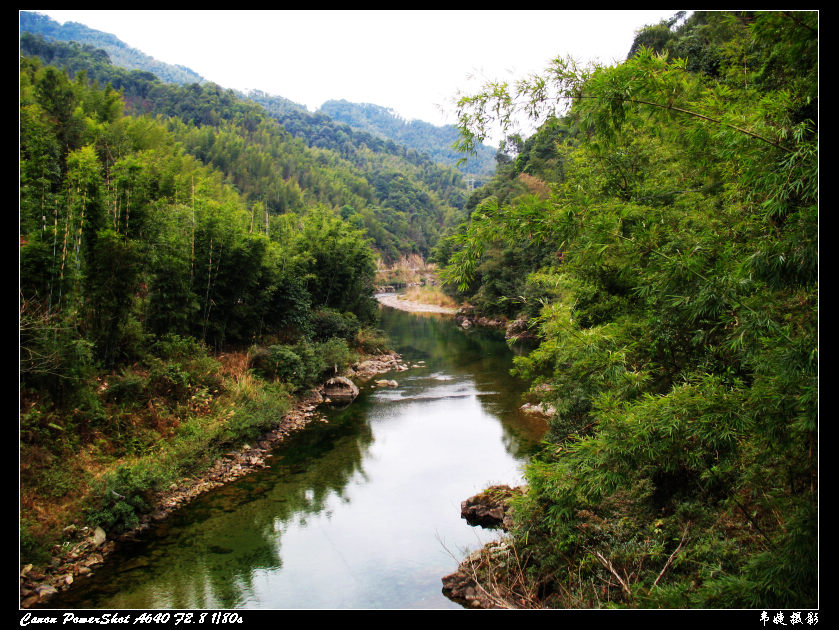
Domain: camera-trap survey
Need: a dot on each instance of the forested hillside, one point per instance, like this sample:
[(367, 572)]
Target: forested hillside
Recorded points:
[(118, 51), (139, 263), (406, 180), (436, 142), (399, 196), (661, 236)]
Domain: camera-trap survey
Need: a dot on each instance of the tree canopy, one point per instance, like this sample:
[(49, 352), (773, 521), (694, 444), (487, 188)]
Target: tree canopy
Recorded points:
[(673, 285)]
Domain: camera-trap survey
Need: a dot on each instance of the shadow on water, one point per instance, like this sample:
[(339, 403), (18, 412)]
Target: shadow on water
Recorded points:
[(205, 554), (354, 513), (479, 353)]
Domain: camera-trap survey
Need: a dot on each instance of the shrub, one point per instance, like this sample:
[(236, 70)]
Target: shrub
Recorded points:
[(121, 496), (304, 364), (328, 323), (257, 415), (335, 354), (277, 362), (372, 341), (33, 549), (180, 366), (128, 387), (175, 347), (168, 379), (313, 365)]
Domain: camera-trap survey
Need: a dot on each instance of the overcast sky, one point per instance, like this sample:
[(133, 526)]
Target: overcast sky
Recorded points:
[(410, 61)]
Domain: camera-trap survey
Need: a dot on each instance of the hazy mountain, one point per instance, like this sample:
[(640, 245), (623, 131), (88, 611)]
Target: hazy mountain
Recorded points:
[(434, 141), (120, 53)]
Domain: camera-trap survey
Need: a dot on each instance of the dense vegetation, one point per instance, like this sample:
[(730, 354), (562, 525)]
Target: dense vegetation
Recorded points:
[(138, 264), (435, 142), (118, 51), (417, 196), (189, 258), (661, 232), (401, 196)]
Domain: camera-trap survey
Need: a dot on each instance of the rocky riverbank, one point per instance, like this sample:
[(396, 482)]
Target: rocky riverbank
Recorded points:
[(83, 549), (492, 576), (518, 330)]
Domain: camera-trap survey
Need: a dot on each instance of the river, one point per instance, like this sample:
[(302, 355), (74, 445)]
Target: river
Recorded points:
[(361, 512)]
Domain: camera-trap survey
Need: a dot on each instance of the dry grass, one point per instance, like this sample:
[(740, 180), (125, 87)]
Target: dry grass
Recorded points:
[(234, 364), (535, 185), (429, 295), (406, 271)]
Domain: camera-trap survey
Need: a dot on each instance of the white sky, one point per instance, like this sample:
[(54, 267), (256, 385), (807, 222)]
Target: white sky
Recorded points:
[(411, 61)]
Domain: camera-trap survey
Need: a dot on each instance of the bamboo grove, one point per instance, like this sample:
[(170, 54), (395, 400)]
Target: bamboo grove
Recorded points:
[(139, 265), (669, 208)]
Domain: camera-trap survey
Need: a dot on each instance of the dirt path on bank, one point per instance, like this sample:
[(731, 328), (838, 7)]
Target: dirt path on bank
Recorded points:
[(392, 300)]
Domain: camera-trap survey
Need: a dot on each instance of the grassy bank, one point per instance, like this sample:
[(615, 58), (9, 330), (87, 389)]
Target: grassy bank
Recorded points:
[(150, 426), (432, 295)]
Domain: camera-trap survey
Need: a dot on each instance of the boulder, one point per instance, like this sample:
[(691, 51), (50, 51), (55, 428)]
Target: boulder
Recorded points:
[(340, 389), (98, 537), (542, 409), (490, 507), (519, 330), (464, 585)]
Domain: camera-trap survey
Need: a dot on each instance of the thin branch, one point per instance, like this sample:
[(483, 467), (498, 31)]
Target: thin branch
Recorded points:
[(795, 19), (691, 113), (613, 571), (672, 555)]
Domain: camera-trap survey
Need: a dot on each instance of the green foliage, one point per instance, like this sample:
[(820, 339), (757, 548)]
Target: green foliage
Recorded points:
[(278, 362), (181, 366), (256, 415), (328, 323), (679, 320), (372, 341), (128, 388), (54, 359), (32, 549), (304, 364), (341, 266), (436, 142), (336, 354), (122, 497)]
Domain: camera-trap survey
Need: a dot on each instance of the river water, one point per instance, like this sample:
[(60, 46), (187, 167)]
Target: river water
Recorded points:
[(362, 512)]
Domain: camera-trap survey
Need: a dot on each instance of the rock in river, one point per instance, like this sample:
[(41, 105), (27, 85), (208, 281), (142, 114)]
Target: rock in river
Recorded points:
[(340, 389), (489, 508)]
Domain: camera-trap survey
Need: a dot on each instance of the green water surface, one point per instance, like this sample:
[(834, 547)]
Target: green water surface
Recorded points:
[(362, 512)]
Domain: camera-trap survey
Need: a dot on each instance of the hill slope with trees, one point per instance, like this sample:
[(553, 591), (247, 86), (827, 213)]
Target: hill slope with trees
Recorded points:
[(401, 197), (661, 236), (436, 142), (118, 51)]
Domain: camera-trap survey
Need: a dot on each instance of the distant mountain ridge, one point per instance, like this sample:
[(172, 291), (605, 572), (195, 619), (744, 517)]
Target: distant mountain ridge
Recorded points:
[(120, 53), (282, 157), (435, 141), (431, 140)]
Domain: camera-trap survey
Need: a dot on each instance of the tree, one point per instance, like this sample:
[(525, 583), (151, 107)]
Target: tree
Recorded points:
[(674, 292), (341, 264)]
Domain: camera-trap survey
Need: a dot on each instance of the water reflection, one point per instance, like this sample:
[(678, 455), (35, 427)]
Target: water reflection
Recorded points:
[(354, 513)]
